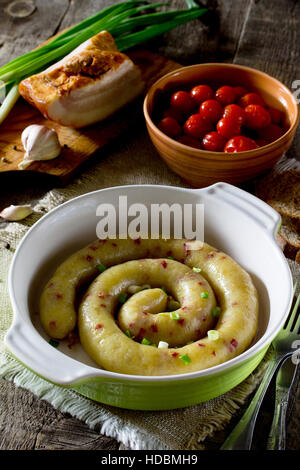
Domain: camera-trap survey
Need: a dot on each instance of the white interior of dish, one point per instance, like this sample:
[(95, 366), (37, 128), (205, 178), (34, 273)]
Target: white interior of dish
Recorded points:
[(235, 222)]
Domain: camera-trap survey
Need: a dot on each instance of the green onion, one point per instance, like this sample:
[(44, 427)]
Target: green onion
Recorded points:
[(8, 103), (213, 335), (171, 257), (146, 341), (53, 343), (216, 312), (122, 298), (164, 314), (174, 315), (163, 345), (204, 295), (127, 332), (185, 358), (197, 270), (101, 267), (126, 21)]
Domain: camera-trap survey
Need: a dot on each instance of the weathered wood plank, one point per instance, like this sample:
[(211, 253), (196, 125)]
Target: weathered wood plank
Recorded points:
[(269, 39), (78, 11), (20, 35), (270, 42), (211, 38), (28, 423)]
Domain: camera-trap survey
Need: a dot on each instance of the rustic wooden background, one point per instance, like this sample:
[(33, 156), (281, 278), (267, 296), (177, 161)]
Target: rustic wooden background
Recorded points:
[(259, 33)]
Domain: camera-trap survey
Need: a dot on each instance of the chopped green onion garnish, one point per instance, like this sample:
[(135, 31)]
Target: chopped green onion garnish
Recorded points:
[(146, 341), (122, 298), (213, 335), (101, 267), (204, 295), (171, 257), (53, 343), (185, 358), (216, 311), (163, 345), (197, 270), (127, 332), (174, 315), (164, 314), (164, 289)]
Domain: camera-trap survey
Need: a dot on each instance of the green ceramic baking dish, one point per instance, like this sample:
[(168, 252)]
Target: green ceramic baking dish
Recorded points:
[(235, 222)]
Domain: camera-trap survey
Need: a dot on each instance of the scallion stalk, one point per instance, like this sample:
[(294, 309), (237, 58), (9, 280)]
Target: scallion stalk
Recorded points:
[(9, 101)]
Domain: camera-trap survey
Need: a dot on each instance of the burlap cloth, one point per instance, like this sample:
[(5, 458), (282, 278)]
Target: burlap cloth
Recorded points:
[(189, 428)]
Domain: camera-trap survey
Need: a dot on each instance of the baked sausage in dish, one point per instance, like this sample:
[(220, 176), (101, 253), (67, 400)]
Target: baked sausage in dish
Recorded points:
[(152, 307)]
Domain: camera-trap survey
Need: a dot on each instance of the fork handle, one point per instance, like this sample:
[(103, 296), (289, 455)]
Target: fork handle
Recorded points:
[(241, 436), (277, 436)]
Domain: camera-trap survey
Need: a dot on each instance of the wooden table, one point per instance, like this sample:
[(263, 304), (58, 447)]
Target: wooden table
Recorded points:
[(258, 33)]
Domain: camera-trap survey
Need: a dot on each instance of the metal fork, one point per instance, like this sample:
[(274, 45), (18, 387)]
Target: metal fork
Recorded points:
[(284, 345)]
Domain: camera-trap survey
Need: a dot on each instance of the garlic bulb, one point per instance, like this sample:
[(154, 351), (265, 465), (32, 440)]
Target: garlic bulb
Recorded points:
[(40, 143), (15, 213)]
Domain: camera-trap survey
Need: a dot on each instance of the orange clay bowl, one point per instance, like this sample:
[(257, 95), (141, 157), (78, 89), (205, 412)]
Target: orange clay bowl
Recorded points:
[(199, 167)]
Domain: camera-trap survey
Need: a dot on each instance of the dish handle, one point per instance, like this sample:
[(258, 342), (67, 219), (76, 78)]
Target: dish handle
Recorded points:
[(22, 341), (268, 218)]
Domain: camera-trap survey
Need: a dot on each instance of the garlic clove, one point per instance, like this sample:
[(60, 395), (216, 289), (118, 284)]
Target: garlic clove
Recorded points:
[(40, 143), (16, 213), (24, 163)]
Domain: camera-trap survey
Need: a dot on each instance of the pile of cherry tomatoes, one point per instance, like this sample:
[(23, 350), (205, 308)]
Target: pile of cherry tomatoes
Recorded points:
[(230, 119)]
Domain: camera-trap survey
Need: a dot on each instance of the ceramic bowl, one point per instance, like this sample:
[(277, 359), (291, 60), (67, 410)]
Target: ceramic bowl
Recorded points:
[(201, 167), (235, 222)]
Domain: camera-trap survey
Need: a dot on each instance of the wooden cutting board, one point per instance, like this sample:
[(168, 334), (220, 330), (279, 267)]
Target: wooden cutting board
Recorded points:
[(78, 145)]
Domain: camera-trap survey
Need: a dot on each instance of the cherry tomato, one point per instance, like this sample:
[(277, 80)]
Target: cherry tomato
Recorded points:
[(261, 142), (170, 127), (271, 133), (214, 142), (235, 113), (228, 128), (239, 92), (190, 141), (201, 93), (257, 117), (275, 115), (225, 95), (211, 110), (240, 143), (174, 113), (182, 102), (196, 126), (251, 98)]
